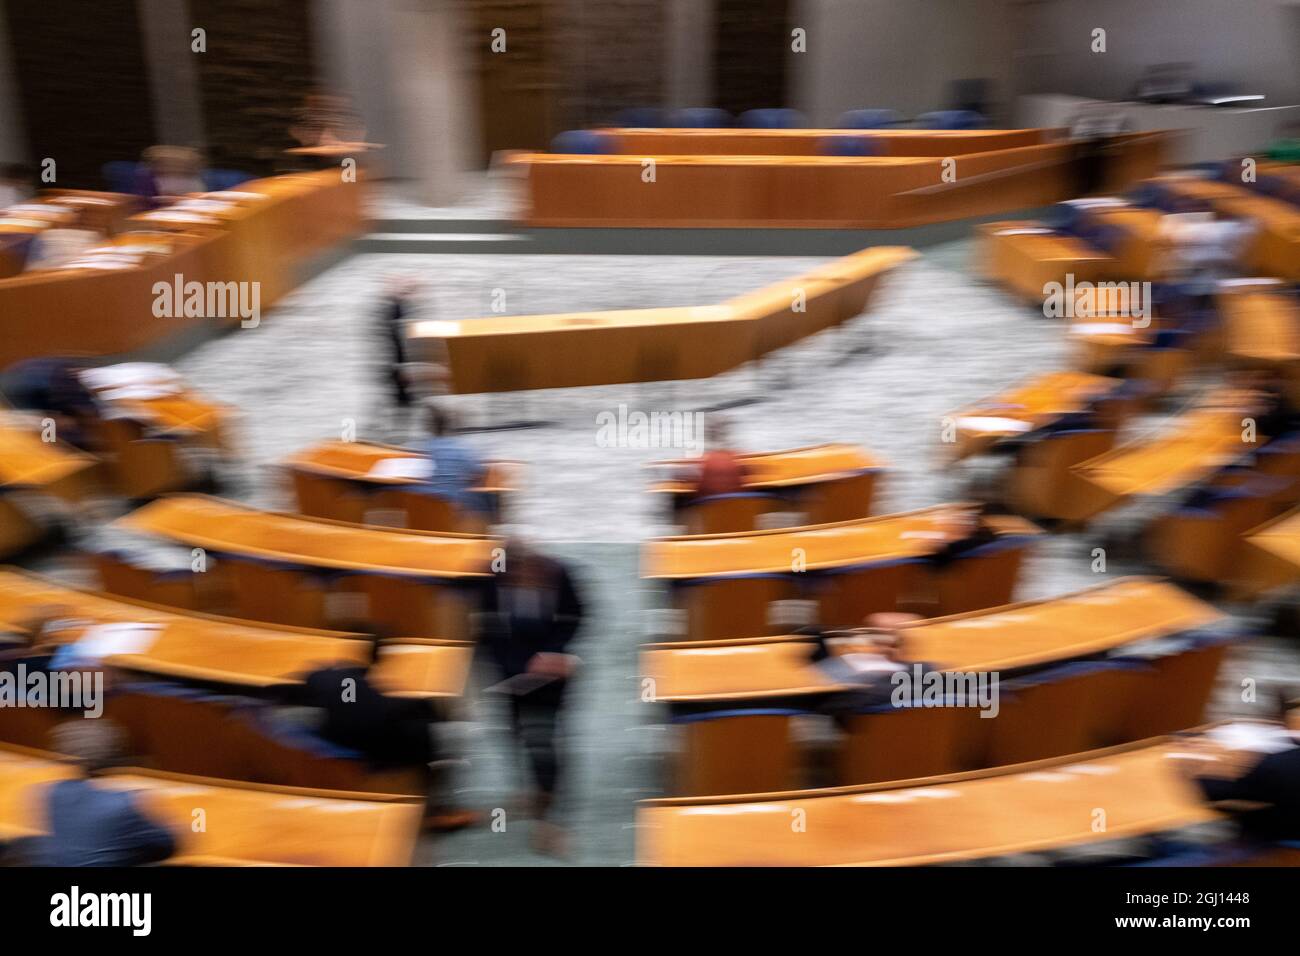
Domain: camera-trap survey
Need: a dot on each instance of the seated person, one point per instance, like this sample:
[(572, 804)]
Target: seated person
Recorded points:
[(326, 119), (88, 825), (867, 660), (720, 470), (457, 468), (392, 732), (53, 386), (168, 173), (967, 530), (63, 241), (1257, 783)]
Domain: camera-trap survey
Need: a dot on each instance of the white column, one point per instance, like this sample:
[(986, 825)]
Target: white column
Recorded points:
[(166, 27), (689, 56), (436, 98)]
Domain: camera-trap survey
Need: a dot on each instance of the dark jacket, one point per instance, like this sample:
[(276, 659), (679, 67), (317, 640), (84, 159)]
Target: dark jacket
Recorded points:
[(389, 731), (91, 826), (1274, 781), (517, 626)]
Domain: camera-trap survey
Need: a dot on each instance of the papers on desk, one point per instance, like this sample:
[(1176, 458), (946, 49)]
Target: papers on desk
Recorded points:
[(1248, 283), (1101, 328), (413, 467), (139, 393), (131, 373), (990, 423), (167, 215), (1025, 231), (234, 196), (1254, 738), (1096, 202), (107, 640)]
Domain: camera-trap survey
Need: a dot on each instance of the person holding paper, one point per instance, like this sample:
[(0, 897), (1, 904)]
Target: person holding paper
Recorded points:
[(532, 610)]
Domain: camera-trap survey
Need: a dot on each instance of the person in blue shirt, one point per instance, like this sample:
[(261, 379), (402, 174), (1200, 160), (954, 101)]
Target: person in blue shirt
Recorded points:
[(457, 468), (87, 825)]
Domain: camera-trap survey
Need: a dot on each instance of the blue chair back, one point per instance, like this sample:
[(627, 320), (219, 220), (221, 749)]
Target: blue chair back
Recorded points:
[(701, 117), (218, 179), (772, 119), (640, 117), (870, 119), (951, 119), (581, 141), (120, 175)]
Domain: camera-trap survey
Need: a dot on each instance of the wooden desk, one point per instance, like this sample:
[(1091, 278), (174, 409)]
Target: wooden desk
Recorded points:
[(1026, 256), (782, 469), (1030, 634), (189, 646), (1261, 325), (158, 397), (808, 142), (28, 462), (1045, 805), (513, 353), (244, 823), (225, 527), (1191, 448), (355, 461), (109, 311), (1025, 408), (30, 465), (911, 534), (747, 191), (1270, 557)]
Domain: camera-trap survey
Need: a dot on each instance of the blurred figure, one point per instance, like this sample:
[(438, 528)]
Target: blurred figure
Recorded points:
[(60, 243), (405, 380), (966, 530), (532, 610), (170, 172), (325, 119), (868, 663), (392, 732), (721, 472), (88, 825), (457, 468), (37, 636), (1257, 782), (53, 387), (15, 185), (1092, 136)]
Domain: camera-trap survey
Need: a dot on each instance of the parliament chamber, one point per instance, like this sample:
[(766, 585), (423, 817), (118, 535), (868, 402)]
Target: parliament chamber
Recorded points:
[(501, 458)]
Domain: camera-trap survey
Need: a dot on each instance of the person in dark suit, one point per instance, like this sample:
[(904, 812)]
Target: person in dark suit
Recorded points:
[(1269, 792), (87, 825), (532, 610), (390, 731)]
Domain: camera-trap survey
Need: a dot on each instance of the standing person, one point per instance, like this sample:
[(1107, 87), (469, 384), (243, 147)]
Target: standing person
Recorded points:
[(532, 610), (393, 314)]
